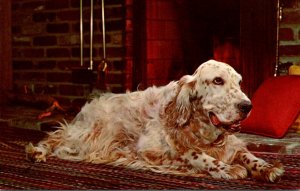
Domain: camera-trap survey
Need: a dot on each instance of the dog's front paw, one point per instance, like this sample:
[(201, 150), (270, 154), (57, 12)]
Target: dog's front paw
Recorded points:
[(269, 172), (35, 154), (229, 172)]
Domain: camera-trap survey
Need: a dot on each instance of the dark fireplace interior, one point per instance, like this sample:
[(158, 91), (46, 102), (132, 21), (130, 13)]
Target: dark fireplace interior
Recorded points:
[(209, 30), (180, 35), (173, 37)]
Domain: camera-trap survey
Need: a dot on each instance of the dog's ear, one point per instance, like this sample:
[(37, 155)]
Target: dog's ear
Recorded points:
[(183, 105), (178, 111)]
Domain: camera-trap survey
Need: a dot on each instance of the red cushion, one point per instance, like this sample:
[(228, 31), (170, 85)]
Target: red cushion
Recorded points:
[(276, 105)]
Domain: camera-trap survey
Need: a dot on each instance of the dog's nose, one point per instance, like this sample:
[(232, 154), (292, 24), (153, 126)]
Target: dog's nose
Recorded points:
[(245, 107)]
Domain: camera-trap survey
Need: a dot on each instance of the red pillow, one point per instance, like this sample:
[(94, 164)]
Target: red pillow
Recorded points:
[(276, 105)]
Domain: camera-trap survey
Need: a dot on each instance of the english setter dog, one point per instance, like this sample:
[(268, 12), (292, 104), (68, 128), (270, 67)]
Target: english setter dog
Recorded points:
[(185, 127)]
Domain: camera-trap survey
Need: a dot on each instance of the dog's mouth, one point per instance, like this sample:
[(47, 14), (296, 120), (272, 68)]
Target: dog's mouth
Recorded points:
[(232, 127)]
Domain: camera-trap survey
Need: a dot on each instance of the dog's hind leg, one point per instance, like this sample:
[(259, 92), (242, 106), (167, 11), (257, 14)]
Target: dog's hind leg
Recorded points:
[(36, 154), (45, 147)]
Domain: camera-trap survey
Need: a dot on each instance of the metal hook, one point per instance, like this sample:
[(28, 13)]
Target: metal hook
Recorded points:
[(91, 35), (81, 35)]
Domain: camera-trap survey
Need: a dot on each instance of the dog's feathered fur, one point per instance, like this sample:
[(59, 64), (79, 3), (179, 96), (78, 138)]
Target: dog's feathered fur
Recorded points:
[(184, 127)]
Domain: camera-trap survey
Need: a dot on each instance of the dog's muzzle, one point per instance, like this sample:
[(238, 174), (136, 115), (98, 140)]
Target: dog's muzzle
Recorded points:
[(232, 127)]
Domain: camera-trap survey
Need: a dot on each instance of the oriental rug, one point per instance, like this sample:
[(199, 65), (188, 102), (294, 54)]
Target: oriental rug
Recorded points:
[(18, 173)]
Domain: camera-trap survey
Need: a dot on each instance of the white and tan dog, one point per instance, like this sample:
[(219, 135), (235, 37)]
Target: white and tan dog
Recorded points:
[(185, 127)]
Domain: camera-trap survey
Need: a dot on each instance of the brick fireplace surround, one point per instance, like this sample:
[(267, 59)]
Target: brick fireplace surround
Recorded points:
[(45, 44)]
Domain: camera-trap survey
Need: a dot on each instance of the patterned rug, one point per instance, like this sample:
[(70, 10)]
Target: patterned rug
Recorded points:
[(17, 173)]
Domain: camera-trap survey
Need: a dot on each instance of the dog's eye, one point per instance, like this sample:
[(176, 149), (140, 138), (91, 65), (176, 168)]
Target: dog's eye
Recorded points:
[(240, 82), (218, 81)]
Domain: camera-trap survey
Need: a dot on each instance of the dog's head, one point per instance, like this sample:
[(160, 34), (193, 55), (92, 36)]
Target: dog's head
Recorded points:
[(214, 89)]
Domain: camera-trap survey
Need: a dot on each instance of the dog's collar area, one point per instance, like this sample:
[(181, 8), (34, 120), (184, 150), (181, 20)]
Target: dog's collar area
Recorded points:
[(219, 141)]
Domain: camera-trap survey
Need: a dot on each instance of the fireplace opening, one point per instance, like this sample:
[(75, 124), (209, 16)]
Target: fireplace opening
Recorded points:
[(173, 37), (180, 35), (214, 31)]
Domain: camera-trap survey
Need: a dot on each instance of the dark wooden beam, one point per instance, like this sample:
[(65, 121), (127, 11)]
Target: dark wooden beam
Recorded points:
[(257, 42), (139, 73), (5, 49)]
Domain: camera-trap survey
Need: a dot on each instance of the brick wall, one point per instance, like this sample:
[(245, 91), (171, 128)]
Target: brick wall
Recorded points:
[(289, 34), (46, 45)]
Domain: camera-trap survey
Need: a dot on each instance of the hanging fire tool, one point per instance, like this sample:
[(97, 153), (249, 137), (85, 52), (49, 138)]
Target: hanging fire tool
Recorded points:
[(84, 75), (103, 65)]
